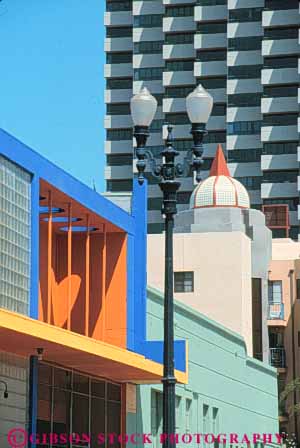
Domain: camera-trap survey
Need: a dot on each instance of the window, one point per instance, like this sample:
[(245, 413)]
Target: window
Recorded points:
[(281, 33), (244, 43), (243, 100), (122, 31), (119, 159), (280, 148), (156, 228), (291, 202), (120, 5), (280, 176), (180, 65), (178, 92), (215, 137), (177, 118), (212, 83), (281, 91), (281, 62), (244, 72), (119, 134), (298, 288), (279, 4), (179, 38), (15, 237), (280, 119), (183, 197), (212, 28), (180, 11), (275, 291), (211, 55), (118, 109), (148, 47), (188, 416), (147, 74), (206, 422), (119, 83), (156, 150), (206, 164), (183, 281), (183, 144), (156, 126), (244, 155), (245, 15), (298, 338), (211, 2), (118, 58), (154, 203), (148, 21), (294, 233), (250, 183), (119, 185), (244, 127)]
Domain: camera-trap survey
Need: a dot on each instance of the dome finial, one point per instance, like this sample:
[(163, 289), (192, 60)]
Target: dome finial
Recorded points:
[(219, 166)]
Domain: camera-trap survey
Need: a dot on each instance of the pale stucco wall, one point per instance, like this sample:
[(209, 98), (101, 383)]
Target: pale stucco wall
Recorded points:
[(221, 262)]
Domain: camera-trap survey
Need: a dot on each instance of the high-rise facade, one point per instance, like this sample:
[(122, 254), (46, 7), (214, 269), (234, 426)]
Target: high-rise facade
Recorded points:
[(245, 53)]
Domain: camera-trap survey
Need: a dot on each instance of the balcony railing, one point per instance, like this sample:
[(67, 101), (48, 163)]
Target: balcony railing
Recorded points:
[(276, 311), (277, 357)]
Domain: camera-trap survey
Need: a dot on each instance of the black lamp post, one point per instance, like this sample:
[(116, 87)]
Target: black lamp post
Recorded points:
[(143, 107)]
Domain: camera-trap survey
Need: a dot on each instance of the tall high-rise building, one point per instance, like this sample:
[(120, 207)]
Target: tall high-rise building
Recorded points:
[(246, 54)]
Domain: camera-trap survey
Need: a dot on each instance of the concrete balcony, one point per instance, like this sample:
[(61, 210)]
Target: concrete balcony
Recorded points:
[(174, 24), (118, 172), (118, 70), (118, 18), (235, 86), (279, 190), (210, 14), (278, 162), (210, 149), (178, 78), (279, 76), (252, 57), (243, 141), (243, 114), (179, 51), (276, 105), (149, 7), (147, 34), (237, 4), (210, 68), (278, 133), (118, 44), (176, 2), (117, 121), (174, 105), (154, 86), (280, 17), (118, 96), (280, 47), (207, 41), (147, 60), (298, 154), (216, 123), (219, 95), (244, 29), (118, 147), (245, 169)]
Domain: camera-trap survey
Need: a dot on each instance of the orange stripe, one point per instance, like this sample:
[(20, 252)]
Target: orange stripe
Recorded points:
[(49, 263), (87, 276), (69, 265)]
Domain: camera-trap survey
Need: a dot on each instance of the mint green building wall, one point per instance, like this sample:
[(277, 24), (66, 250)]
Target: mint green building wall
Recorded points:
[(221, 376)]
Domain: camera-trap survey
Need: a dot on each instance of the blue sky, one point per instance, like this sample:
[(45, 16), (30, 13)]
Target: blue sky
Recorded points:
[(51, 81)]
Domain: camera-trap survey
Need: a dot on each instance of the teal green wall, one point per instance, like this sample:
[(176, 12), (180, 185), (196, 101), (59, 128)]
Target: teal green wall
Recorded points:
[(221, 375)]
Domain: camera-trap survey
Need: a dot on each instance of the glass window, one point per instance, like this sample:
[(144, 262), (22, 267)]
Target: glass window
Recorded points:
[(179, 38), (119, 31), (244, 127), (119, 5), (280, 176), (244, 43), (275, 291), (148, 74), (215, 137), (119, 159), (156, 126), (188, 416), (298, 288), (244, 72), (156, 228), (243, 100), (280, 148), (179, 65), (245, 15), (154, 203), (244, 155), (291, 202), (118, 58), (219, 109), (148, 47), (178, 92), (177, 118), (15, 237), (279, 4), (281, 91), (119, 83), (119, 134), (213, 83), (119, 185), (180, 11), (118, 109), (211, 28), (211, 2), (148, 21), (250, 183), (211, 55), (280, 119), (183, 281), (281, 62), (281, 33)]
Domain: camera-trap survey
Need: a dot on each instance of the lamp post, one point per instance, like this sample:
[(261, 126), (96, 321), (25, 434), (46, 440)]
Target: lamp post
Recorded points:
[(143, 108)]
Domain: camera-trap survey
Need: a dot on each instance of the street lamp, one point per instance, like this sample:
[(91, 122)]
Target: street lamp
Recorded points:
[(143, 108)]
